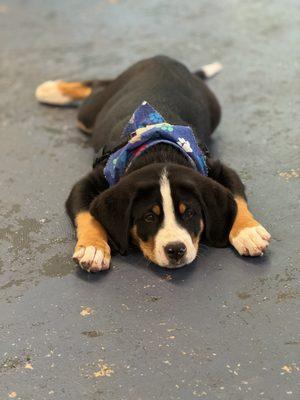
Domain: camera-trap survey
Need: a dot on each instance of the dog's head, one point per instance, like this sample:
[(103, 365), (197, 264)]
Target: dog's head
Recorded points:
[(164, 210)]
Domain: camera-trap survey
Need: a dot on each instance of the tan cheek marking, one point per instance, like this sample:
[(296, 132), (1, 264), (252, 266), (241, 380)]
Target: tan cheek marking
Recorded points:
[(195, 240), (146, 247), (156, 209), (90, 232), (182, 208), (244, 218), (75, 90)]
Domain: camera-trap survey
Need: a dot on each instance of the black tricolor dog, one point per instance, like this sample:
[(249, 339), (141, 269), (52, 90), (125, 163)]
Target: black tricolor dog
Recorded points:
[(162, 203)]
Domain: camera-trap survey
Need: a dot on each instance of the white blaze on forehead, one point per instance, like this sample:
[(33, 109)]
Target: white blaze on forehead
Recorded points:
[(171, 231), (167, 201)]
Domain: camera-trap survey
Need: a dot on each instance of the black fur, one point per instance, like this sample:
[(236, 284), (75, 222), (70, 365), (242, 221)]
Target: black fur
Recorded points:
[(179, 96), (182, 98)]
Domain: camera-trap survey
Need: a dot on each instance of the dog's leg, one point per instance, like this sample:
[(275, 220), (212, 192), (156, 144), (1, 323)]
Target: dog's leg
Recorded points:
[(90, 108), (247, 235), (92, 251), (61, 93)]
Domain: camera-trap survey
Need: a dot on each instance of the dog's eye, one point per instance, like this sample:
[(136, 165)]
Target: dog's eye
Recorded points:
[(149, 217), (188, 214)]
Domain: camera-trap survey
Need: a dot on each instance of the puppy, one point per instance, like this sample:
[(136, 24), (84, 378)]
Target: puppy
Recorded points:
[(153, 183)]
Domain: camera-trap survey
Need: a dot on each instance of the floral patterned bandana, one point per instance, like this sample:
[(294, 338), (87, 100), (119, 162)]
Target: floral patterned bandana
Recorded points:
[(146, 128)]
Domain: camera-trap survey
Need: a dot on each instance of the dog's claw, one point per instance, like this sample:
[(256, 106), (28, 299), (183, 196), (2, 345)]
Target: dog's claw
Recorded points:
[(92, 259)]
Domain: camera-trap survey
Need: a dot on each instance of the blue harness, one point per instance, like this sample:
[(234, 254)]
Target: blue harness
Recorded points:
[(146, 128)]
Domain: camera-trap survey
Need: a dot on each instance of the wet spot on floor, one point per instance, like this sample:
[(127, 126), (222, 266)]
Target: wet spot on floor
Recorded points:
[(41, 248), (13, 282), (7, 211), (243, 295), (288, 295), (10, 363), (58, 266), (154, 298), (19, 235), (93, 334)]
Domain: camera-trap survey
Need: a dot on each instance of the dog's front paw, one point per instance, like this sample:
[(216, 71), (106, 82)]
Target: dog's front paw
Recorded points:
[(93, 258), (251, 241)]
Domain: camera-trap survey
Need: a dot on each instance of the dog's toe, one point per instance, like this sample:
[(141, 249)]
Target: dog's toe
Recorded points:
[(251, 241), (99, 263), (92, 259)]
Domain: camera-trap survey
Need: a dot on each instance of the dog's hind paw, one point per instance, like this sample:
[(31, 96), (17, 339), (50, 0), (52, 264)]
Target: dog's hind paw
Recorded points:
[(50, 92), (91, 258), (251, 241)]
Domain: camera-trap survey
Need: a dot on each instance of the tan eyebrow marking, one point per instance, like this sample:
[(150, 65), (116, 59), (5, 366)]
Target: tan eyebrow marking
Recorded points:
[(182, 208), (156, 209)]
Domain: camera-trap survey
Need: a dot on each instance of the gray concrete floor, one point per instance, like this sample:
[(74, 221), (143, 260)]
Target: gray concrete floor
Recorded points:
[(224, 328)]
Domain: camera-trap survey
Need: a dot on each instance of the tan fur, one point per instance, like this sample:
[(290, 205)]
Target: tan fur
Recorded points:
[(247, 235), (92, 250), (61, 93), (156, 209), (182, 208), (89, 231), (201, 226), (146, 247), (195, 240), (75, 90), (244, 218)]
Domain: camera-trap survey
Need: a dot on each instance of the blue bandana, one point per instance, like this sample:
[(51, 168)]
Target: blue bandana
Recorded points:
[(146, 128)]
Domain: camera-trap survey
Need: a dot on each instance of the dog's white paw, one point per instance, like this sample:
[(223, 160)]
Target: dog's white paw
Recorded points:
[(50, 92), (251, 241), (92, 259)]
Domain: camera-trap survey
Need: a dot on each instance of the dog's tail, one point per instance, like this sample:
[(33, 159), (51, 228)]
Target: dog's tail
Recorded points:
[(61, 93), (209, 70)]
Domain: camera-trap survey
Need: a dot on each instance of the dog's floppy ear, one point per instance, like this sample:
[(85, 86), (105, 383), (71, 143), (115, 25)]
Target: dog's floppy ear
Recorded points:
[(112, 209), (219, 209)]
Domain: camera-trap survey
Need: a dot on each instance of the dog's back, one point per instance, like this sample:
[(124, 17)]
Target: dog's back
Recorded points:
[(179, 95)]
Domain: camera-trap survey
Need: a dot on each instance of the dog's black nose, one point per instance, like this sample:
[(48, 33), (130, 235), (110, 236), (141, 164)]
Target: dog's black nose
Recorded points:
[(175, 251)]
